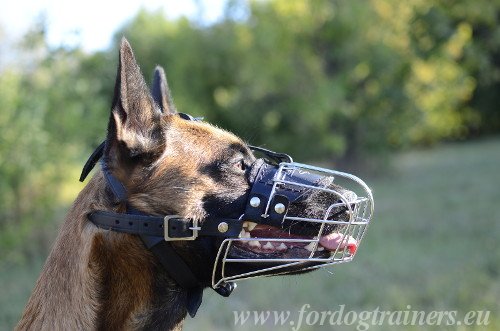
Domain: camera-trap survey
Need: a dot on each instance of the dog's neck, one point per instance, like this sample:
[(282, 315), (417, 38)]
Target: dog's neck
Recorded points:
[(96, 279)]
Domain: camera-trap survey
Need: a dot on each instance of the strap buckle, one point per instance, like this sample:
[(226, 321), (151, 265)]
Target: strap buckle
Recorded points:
[(166, 227)]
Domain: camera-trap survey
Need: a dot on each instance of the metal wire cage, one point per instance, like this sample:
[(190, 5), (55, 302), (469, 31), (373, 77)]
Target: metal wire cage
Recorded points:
[(354, 198)]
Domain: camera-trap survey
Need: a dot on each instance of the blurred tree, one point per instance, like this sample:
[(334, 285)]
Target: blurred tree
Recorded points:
[(24, 143), (49, 114), (328, 80), (480, 57)]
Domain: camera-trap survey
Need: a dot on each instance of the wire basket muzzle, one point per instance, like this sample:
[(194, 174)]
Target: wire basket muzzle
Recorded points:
[(298, 217)]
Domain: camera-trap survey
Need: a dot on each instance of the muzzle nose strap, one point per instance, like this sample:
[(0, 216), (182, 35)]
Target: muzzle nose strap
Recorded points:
[(289, 190), (262, 175)]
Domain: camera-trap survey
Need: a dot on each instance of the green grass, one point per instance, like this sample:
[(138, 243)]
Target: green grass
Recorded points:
[(433, 245), (16, 283)]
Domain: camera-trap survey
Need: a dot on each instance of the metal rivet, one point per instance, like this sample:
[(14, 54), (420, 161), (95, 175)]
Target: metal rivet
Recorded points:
[(223, 227), (279, 208), (255, 202)]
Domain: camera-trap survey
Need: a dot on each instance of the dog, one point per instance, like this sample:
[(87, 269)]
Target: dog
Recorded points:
[(167, 163)]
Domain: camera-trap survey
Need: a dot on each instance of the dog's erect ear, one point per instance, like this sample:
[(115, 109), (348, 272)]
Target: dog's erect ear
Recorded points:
[(135, 120), (161, 92)]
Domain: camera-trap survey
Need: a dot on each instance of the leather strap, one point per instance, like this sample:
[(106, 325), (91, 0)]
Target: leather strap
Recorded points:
[(119, 191), (99, 151), (283, 190), (135, 223), (154, 225), (92, 160), (181, 273), (277, 157), (151, 228)]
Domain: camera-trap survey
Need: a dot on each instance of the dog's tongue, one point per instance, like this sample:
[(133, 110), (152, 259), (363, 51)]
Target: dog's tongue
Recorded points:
[(337, 240)]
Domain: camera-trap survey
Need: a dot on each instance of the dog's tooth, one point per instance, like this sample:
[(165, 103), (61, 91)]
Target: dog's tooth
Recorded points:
[(310, 246), (251, 225), (254, 243), (282, 247), (268, 245)]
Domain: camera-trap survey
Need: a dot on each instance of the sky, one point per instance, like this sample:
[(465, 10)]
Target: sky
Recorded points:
[(91, 23)]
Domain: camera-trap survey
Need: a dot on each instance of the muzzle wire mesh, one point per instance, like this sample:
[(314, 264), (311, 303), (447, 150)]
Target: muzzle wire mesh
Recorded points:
[(349, 194)]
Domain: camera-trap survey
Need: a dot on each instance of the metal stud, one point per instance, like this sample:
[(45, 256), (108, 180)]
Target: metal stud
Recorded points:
[(223, 227), (255, 202), (279, 208)]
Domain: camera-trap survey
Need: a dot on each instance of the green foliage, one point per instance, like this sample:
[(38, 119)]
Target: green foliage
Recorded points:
[(344, 82), (22, 149), (332, 79), (45, 101)]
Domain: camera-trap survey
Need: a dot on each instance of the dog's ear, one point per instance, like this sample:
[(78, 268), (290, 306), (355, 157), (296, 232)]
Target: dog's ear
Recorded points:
[(161, 92), (134, 126)]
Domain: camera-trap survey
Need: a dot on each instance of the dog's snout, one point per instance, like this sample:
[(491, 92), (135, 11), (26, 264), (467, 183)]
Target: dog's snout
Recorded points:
[(349, 196), (341, 194)]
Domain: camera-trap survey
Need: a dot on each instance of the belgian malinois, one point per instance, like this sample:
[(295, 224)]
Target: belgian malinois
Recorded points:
[(169, 164)]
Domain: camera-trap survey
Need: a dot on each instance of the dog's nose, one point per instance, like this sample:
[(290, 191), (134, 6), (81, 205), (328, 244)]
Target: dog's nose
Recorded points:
[(349, 196), (341, 194), (339, 207)]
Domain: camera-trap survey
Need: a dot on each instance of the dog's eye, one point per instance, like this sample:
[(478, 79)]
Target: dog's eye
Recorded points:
[(240, 165)]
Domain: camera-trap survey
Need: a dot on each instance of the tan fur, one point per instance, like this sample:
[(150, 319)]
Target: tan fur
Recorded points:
[(90, 273), (66, 296), (98, 279)]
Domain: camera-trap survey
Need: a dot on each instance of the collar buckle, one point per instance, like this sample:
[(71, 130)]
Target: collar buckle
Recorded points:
[(174, 226)]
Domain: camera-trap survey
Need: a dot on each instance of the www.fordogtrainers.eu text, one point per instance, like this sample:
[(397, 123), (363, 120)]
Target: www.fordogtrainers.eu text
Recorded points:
[(362, 320)]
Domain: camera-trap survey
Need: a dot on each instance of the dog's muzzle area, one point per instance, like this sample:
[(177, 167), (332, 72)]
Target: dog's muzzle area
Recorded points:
[(297, 218)]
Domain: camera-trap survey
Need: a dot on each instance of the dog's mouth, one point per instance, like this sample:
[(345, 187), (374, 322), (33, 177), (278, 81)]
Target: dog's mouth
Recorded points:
[(295, 239), (264, 241), (322, 225)]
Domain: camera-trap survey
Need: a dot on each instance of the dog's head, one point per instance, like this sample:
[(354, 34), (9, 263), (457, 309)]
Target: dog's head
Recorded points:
[(170, 165)]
